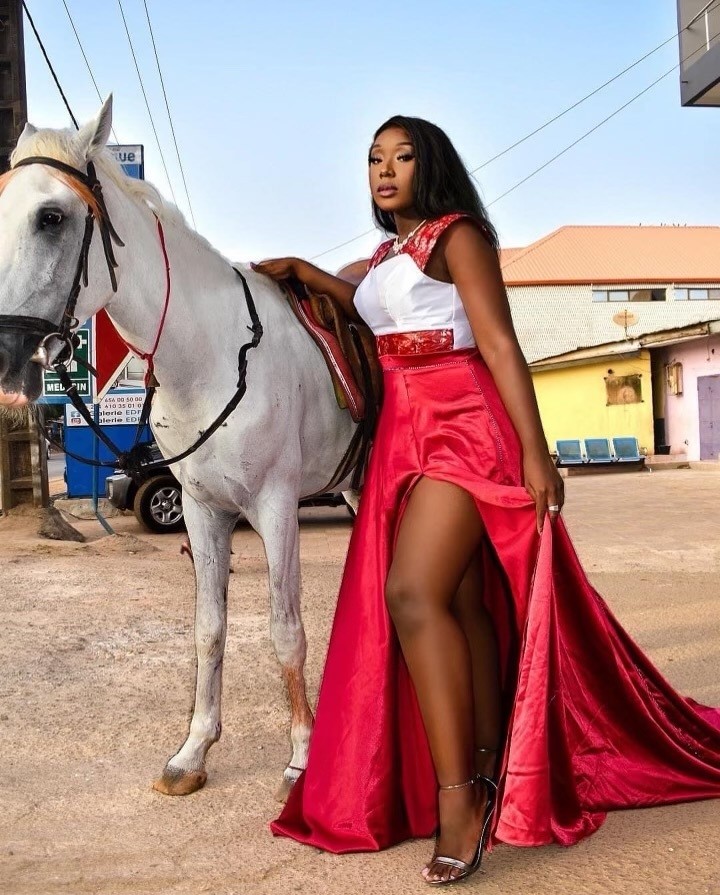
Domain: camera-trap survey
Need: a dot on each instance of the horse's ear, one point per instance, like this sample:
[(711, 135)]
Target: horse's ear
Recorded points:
[(28, 131), (94, 135)]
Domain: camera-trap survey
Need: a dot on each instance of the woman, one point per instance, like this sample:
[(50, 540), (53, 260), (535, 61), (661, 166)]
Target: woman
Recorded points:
[(475, 684)]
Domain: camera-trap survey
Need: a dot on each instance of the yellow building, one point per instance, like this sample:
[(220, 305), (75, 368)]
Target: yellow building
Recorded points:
[(593, 308), (574, 403)]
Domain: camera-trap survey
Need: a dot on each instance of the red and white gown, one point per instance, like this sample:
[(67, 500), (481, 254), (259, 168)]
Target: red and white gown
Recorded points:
[(590, 724)]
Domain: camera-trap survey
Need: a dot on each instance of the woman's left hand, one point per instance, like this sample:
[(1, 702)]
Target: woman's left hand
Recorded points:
[(545, 485)]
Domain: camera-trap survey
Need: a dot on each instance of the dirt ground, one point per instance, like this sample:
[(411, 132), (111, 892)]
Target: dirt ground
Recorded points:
[(96, 670)]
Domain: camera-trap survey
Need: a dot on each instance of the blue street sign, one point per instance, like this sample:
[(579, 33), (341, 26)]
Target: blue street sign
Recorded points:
[(131, 157), (118, 415)]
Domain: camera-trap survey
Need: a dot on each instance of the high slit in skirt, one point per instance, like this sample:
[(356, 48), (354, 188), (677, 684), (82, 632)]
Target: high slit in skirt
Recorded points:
[(590, 724)]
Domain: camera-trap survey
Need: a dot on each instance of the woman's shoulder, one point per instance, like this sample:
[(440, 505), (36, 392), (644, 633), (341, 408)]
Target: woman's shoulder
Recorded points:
[(427, 238), (434, 229)]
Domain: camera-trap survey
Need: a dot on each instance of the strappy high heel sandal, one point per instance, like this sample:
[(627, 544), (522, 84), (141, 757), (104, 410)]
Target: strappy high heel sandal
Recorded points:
[(467, 869)]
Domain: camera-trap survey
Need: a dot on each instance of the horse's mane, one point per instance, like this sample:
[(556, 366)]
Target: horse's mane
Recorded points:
[(62, 145)]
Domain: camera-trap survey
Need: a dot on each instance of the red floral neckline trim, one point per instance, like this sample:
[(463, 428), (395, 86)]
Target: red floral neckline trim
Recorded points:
[(420, 246)]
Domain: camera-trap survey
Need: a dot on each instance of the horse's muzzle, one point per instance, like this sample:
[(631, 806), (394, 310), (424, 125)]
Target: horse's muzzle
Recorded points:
[(20, 378)]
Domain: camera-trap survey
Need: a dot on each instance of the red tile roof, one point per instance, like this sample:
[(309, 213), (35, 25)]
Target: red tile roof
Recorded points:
[(606, 255), (507, 254)]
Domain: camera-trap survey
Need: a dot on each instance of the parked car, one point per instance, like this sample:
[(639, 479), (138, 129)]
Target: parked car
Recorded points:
[(156, 498)]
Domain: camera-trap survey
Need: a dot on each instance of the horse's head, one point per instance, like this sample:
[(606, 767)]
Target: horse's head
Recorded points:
[(44, 213)]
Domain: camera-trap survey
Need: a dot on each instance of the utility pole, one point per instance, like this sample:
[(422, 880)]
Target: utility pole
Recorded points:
[(13, 99), (23, 458)]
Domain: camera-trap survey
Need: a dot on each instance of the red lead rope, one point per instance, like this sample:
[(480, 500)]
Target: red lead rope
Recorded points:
[(149, 357)]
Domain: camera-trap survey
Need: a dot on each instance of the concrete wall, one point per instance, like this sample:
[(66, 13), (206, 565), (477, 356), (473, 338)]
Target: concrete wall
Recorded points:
[(701, 357), (573, 402), (699, 62), (552, 320)]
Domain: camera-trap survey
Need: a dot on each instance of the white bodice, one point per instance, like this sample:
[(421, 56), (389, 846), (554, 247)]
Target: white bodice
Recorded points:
[(397, 297)]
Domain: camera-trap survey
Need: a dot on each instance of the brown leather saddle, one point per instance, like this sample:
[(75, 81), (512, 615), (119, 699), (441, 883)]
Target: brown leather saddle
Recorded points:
[(350, 352), (348, 347)]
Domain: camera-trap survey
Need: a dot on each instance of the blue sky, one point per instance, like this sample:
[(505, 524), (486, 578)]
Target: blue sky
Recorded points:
[(274, 104)]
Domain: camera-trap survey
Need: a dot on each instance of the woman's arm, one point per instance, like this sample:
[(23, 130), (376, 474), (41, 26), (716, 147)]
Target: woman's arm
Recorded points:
[(316, 280), (474, 269)]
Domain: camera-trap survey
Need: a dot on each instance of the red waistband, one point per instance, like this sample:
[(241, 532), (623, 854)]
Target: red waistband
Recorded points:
[(426, 341), (390, 362)]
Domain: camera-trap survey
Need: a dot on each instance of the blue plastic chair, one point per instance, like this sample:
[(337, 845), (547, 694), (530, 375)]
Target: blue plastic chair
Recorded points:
[(627, 449), (598, 450), (569, 452)]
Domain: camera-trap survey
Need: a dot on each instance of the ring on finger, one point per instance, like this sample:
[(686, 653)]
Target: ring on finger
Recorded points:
[(554, 508)]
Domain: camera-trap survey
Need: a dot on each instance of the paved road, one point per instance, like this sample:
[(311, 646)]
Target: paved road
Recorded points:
[(97, 665), (56, 468)]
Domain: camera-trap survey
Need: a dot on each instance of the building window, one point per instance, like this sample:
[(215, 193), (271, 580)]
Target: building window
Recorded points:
[(697, 294), (628, 295), (674, 378), (647, 295), (624, 389)]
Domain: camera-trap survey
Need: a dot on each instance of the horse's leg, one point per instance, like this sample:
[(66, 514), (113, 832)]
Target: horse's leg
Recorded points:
[(210, 533), (281, 537)]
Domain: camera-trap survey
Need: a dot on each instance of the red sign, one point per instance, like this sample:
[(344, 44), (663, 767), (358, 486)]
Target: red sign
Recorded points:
[(111, 354)]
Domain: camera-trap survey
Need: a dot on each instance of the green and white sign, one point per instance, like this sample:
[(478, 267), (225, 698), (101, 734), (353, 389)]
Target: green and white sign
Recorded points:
[(52, 387)]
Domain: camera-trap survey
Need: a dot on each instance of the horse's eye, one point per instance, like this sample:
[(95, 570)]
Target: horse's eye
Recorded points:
[(50, 219)]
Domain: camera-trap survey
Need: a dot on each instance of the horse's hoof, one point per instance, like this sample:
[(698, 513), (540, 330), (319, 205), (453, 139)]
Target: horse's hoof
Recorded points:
[(180, 783), (284, 789)]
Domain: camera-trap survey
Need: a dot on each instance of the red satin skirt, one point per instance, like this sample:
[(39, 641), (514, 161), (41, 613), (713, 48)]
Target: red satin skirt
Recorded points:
[(591, 725)]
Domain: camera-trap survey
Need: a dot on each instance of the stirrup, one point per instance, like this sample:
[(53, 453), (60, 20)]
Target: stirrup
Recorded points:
[(468, 868)]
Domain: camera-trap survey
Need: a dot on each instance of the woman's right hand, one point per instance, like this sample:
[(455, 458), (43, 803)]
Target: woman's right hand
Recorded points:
[(282, 268), (316, 280)]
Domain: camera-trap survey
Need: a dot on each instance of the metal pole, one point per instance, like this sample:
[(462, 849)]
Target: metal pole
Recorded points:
[(23, 466), (96, 474)]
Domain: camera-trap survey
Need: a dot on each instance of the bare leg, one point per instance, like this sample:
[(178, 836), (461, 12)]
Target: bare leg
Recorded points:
[(439, 534), (477, 625)]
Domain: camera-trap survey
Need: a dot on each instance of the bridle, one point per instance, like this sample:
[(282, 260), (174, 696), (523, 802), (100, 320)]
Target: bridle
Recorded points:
[(137, 457), (64, 331)]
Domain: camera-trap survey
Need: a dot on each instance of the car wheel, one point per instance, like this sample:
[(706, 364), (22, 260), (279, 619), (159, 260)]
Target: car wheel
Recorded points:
[(158, 505)]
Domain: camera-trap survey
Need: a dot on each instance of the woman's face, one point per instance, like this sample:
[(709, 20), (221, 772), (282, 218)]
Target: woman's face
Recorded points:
[(392, 170)]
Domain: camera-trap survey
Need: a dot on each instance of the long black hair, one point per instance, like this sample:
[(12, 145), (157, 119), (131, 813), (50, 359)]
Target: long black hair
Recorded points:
[(441, 184)]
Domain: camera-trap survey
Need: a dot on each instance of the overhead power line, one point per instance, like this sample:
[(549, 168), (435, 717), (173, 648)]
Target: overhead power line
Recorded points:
[(574, 105), (343, 244), (580, 139), (594, 128), (147, 104), (551, 121), (167, 106), (87, 63), (50, 66)]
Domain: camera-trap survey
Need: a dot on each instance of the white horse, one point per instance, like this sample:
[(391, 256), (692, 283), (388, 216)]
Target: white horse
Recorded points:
[(283, 442)]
